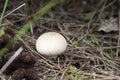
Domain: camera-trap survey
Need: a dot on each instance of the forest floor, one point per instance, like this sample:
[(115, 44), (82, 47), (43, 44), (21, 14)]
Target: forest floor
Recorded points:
[(91, 28)]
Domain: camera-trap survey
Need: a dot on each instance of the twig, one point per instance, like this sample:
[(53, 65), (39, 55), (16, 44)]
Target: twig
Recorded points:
[(14, 10), (11, 60), (103, 77)]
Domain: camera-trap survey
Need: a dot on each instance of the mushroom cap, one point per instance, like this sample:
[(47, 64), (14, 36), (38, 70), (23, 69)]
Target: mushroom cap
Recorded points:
[(51, 44)]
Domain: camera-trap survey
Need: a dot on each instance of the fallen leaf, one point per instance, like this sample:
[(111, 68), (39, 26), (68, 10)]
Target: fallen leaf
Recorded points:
[(109, 25)]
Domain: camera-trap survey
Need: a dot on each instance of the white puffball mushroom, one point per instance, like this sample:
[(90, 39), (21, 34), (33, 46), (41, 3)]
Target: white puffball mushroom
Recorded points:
[(51, 44)]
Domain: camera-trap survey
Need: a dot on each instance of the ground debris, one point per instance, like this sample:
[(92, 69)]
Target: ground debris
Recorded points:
[(23, 66)]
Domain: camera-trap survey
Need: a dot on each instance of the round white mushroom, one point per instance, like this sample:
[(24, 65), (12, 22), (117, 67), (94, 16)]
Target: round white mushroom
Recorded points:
[(51, 44)]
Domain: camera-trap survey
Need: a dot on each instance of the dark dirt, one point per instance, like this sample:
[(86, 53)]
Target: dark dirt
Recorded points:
[(92, 54), (22, 66)]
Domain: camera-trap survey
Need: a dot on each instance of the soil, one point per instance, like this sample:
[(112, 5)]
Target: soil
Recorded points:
[(91, 54)]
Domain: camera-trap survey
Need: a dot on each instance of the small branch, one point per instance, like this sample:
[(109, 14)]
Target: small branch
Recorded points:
[(14, 10), (11, 59)]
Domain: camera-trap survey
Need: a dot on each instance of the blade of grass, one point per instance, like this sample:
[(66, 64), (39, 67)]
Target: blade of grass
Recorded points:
[(26, 27), (3, 12), (27, 7)]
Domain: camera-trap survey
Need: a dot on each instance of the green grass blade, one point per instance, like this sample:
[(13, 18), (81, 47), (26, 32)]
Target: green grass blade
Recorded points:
[(4, 9)]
